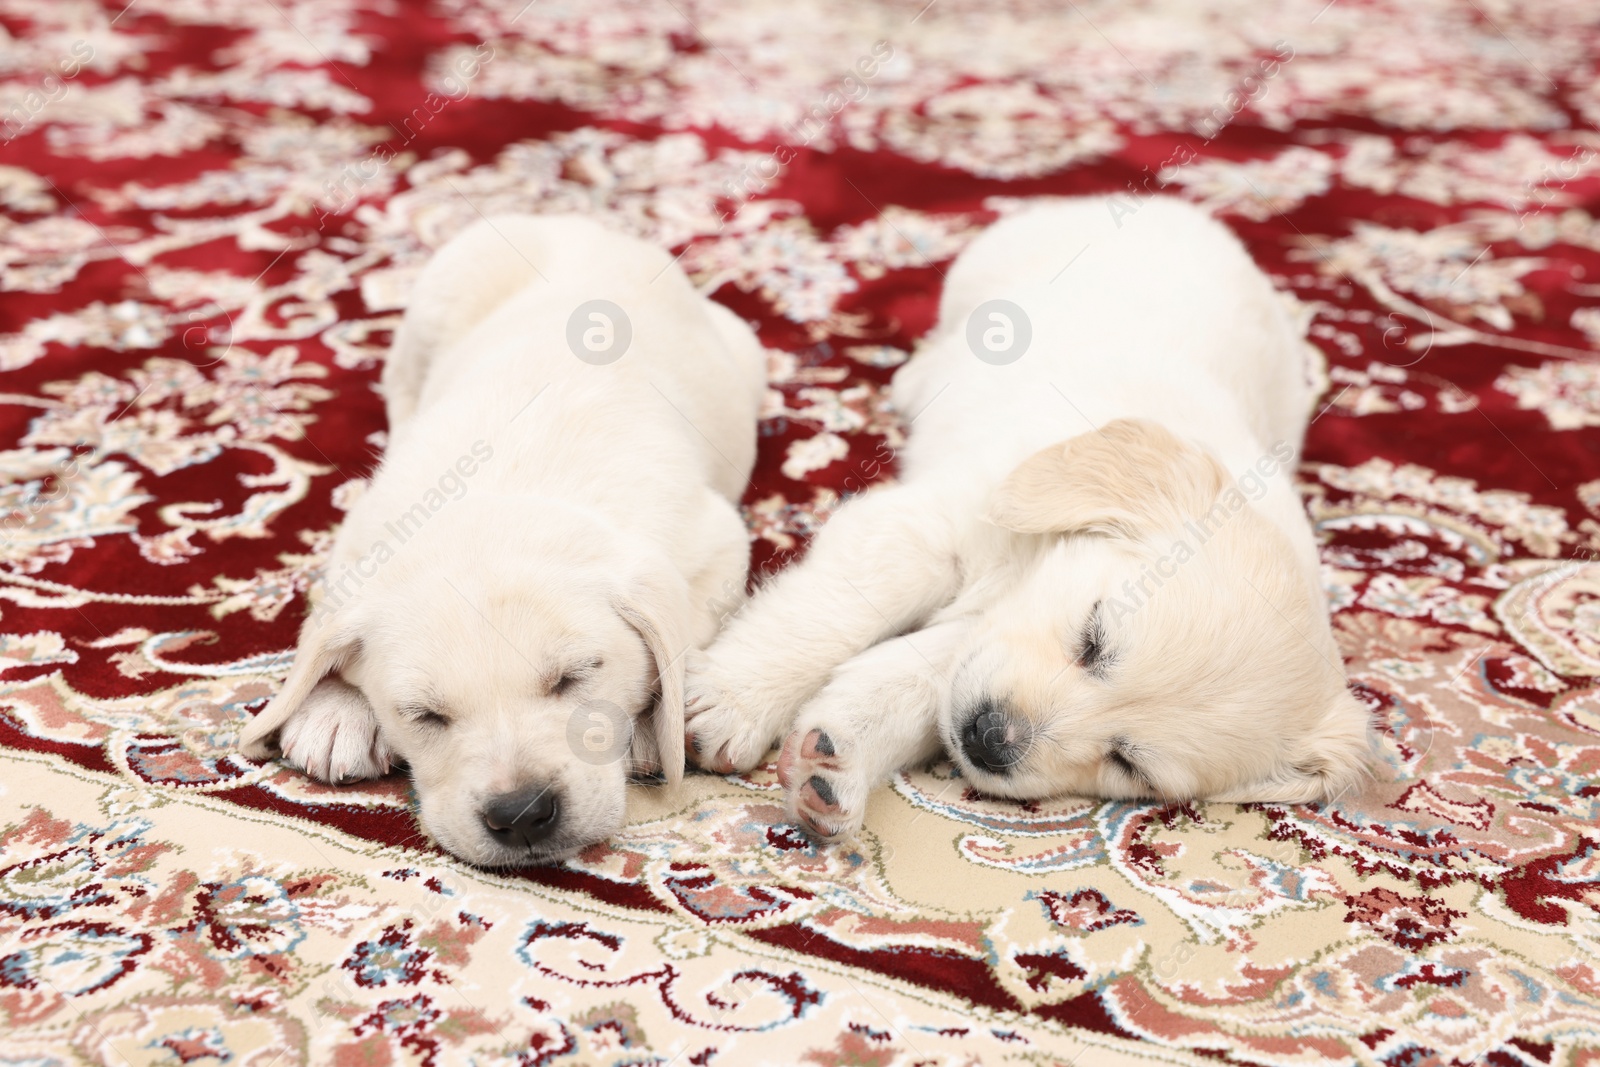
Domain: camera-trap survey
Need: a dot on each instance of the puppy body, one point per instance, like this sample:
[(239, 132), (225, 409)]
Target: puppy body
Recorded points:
[(507, 606), (1094, 576), (1164, 317)]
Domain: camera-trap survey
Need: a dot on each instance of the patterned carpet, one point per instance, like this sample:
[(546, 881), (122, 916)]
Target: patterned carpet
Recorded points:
[(212, 212)]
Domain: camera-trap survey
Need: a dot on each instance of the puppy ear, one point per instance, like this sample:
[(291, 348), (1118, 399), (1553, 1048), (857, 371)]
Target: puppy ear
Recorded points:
[(326, 644), (644, 755), (655, 602), (1333, 760), (1127, 478)]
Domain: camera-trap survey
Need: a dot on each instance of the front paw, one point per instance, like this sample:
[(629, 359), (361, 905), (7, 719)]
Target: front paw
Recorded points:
[(826, 792), (730, 726), (334, 736)]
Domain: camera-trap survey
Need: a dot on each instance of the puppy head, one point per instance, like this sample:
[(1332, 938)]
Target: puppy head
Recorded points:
[(1161, 640), (521, 679)]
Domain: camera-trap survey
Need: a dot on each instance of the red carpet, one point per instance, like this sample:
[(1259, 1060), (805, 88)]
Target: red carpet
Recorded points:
[(212, 212)]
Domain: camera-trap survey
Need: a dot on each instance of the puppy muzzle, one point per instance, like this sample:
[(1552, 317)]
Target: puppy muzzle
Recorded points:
[(991, 739), (522, 819)]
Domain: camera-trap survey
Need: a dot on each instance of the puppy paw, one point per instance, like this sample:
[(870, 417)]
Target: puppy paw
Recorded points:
[(825, 793), (721, 736), (334, 736), (729, 728)]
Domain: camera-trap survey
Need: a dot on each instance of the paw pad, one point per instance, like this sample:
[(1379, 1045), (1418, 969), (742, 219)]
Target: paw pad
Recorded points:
[(819, 785), (820, 744)]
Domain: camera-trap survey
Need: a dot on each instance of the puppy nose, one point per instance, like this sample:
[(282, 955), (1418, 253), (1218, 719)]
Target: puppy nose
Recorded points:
[(990, 739), (525, 817)]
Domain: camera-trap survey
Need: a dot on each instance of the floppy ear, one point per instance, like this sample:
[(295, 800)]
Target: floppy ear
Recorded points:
[(325, 646), (655, 602), (1333, 760), (1127, 478)]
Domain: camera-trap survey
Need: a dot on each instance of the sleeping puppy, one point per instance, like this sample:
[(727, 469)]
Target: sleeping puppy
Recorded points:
[(1094, 577), (507, 607)]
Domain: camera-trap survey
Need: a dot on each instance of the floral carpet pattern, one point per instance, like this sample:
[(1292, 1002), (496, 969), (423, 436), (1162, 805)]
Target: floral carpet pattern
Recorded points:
[(211, 216)]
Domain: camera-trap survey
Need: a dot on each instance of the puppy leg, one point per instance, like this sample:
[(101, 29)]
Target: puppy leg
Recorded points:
[(334, 737), (717, 584), (878, 715), (883, 564)]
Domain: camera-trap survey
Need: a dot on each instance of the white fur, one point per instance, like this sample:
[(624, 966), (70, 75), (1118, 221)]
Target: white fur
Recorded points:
[(1162, 368), (596, 543)]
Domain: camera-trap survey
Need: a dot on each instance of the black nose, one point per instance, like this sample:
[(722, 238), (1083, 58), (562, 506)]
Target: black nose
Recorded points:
[(525, 817), (990, 739)]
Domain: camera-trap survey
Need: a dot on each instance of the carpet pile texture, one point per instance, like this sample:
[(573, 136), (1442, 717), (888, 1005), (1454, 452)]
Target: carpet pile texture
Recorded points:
[(212, 213)]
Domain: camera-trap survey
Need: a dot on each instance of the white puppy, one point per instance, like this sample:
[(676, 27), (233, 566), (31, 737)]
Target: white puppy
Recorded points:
[(507, 606), (1094, 577)]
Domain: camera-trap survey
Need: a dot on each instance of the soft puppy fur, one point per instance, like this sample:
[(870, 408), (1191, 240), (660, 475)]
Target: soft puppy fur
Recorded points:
[(507, 607), (1094, 576)]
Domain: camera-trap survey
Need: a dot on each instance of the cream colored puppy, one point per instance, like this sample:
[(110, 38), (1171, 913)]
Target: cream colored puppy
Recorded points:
[(1094, 577), (507, 606)]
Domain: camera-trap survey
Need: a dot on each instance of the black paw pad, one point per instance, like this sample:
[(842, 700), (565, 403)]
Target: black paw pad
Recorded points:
[(825, 791)]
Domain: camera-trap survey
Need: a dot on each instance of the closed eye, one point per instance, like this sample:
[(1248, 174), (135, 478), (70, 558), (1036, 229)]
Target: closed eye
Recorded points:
[(574, 676), (1093, 654), (1121, 756), (425, 715)]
